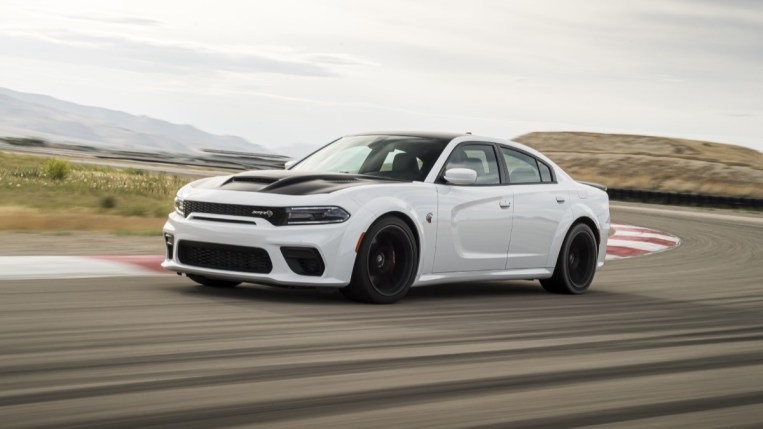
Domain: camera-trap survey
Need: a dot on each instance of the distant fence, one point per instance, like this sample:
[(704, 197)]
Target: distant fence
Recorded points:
[(684, 199)]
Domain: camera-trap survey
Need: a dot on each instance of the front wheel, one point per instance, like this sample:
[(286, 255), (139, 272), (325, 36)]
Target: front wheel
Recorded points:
[(386, 264), (576, 264), (207, 281)]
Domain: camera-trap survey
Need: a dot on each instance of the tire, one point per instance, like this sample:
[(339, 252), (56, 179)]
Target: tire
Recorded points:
[(576, 264), (386, 263), (211, 282)]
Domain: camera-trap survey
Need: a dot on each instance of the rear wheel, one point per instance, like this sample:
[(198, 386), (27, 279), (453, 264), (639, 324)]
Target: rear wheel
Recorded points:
[(207, 281), (386, 264), (576, 264)]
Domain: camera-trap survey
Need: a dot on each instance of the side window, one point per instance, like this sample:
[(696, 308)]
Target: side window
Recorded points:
[(522, 168), (545, 172), (477, 157)]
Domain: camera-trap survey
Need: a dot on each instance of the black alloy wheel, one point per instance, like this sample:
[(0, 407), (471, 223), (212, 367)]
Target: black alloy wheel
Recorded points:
[(386, 264), (576, 264)]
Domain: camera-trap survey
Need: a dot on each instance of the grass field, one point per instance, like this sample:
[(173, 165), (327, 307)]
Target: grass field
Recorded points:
[(654, 163), (89, 197)]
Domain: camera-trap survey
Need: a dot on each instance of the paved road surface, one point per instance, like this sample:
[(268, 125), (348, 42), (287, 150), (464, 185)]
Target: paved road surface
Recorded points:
[(667, 340)]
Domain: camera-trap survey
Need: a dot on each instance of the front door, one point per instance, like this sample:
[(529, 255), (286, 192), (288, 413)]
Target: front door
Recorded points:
[(473, 221)]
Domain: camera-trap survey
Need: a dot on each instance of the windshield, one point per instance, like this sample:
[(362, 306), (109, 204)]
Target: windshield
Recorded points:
[(395, 157)]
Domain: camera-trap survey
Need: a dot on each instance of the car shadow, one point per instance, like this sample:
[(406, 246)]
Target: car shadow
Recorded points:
[(256, 292), (332, 296), (475, 289)]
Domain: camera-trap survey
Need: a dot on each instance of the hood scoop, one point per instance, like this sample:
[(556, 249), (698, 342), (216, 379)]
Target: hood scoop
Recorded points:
[(289, 182), (306, 179), (251, 179), (247, 183)]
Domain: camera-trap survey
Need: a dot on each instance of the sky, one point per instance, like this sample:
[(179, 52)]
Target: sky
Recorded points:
[(284, 72)]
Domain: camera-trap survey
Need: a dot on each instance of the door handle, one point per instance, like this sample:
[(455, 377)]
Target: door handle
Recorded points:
[(504, 204), (560, 200)]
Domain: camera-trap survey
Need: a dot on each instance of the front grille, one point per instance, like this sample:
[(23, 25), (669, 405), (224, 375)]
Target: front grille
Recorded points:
[(226, 220), (277, 217), (224, 257)]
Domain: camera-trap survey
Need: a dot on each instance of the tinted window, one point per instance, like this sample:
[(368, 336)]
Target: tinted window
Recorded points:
[(522, 168), (480, 158), (545, 172)]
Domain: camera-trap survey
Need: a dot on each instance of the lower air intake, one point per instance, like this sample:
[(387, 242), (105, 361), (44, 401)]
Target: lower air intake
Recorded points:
[(305, 261), (224, 257)]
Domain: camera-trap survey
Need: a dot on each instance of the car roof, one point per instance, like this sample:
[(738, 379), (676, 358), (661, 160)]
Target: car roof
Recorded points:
[(423, 134)]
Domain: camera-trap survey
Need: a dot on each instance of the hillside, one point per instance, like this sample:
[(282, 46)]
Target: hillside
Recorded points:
[(654, 163), (41, 116)]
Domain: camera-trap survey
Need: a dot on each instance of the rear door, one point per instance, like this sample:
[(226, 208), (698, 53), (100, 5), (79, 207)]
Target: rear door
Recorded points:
[(473, 221), (539, 205)]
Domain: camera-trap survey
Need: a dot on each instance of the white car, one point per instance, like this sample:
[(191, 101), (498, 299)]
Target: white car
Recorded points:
[(375, 214)]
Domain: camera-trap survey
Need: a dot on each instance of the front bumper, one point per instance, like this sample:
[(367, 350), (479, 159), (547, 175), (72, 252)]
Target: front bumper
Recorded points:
[(331, 241)]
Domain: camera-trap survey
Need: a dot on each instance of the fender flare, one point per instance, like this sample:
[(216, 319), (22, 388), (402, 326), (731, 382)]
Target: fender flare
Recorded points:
[(368, 214), (576, 212)]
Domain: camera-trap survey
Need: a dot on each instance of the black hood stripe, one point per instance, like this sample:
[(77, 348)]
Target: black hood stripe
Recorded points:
[(288, 182)]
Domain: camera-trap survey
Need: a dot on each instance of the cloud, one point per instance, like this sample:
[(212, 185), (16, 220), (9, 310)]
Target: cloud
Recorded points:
[(709, 28), (143, 55), (339, 59), (741, 114), (122, 20)]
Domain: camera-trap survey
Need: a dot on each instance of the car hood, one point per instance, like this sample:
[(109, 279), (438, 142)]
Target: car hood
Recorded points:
[(288, 182)]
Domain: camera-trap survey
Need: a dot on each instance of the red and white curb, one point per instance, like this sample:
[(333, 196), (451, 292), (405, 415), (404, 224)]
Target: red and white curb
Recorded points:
[(626, 242), (77, 267), (629, 241)]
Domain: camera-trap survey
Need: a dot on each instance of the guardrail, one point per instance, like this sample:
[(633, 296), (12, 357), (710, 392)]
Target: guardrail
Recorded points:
[(682, 199)]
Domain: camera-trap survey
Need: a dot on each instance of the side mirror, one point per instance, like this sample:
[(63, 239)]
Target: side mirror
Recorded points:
[(461, 176), (288, 164)]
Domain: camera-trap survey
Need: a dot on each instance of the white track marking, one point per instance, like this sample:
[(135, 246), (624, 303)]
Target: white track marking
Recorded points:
[(661, 236), (641, 245)]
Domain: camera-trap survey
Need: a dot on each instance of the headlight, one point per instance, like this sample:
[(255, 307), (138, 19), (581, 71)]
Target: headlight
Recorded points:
[(314, 215), (179, 206)]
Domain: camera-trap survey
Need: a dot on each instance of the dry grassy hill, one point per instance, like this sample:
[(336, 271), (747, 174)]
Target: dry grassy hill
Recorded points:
[(654, 163)]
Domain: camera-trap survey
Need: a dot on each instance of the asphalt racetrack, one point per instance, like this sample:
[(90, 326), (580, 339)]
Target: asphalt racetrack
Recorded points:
[(667, 340)]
